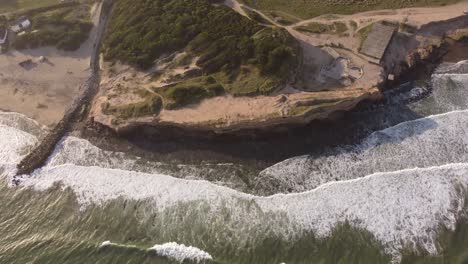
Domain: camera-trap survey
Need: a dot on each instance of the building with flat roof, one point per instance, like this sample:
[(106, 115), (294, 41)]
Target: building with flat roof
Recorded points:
[(21, 25), (378, 40)]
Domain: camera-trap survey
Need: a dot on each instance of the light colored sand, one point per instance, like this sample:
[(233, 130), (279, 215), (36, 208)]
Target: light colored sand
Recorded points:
[(228, 110), (44, 91), (415, 16)]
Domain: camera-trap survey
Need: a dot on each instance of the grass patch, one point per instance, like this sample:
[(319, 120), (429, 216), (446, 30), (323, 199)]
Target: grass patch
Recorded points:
[(65, 28), (142, 31), (312, 8), (15, 5), (191, 91), (247, 81), (283, 18), (407, 28), (256, 16), (315, 27), (338, 28), (152, 105), (363, 33), (317, 106), (222, 39)]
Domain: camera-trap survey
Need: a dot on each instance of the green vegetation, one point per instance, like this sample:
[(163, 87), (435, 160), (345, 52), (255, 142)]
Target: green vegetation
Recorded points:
[(189, 92), (353, 24), (363, 33), (222, 38), (66, 28), (246, 81), (405, 27), (15, 5), (315, 27), (283, 18), (235, 54), (256, 16), (312, 8), (151, 105), (338, 28)]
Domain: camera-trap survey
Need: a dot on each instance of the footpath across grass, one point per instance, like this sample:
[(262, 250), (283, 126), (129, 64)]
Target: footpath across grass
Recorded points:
[(311, 8)]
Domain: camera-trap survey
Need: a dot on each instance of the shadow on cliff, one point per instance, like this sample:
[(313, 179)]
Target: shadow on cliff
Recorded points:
[(264, 148)]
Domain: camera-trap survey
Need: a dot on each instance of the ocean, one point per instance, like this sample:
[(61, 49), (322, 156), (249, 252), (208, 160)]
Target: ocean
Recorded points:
[(398, 196)]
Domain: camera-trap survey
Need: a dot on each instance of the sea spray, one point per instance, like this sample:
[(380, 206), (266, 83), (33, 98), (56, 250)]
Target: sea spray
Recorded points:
[(181, 253), (383, 203), (397, 207), (172, 250), (425, 142)]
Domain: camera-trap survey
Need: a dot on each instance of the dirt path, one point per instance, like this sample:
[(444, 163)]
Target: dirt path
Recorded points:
[(415, 16)]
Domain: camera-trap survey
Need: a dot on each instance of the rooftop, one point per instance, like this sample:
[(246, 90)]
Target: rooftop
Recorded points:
[(377, 41)]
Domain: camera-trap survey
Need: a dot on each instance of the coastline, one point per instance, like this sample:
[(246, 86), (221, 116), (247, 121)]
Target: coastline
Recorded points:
[(257, 116), (260, 148)]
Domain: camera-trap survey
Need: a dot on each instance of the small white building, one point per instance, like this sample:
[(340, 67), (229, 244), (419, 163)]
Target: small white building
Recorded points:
[(26, 24), (21, 25)]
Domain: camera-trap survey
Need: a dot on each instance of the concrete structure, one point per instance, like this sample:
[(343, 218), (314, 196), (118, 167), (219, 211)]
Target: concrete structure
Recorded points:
[(21, 25), (377, 41), (26, 24), (16, 28)]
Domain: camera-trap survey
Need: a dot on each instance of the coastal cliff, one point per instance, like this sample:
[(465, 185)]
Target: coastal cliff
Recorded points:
[(180, 92)]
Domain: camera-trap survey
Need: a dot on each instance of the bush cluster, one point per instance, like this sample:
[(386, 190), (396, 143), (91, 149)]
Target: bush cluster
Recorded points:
[(55, 29), (140, 31), (190, 92)]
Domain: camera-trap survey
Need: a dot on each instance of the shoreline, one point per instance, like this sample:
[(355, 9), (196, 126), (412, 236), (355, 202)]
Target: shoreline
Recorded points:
[(256, 148)]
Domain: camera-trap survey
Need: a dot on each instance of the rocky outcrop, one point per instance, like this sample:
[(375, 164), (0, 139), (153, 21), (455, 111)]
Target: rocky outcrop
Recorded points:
[(314, 109)]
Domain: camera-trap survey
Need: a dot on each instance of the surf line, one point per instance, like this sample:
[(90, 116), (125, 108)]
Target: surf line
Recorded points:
[(75, 113)]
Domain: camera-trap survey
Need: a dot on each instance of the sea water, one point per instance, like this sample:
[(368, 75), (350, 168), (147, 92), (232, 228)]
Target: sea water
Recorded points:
[(393, 192)]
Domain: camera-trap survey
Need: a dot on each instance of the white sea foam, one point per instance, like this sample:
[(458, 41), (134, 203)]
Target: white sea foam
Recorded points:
[(460, 67), (402, 208), (426, 142), (171, 250), (180, 252), (15, 143), (106, 244), (77, 151)]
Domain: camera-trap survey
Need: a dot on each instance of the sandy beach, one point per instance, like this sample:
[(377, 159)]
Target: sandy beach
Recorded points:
[(44, 89)]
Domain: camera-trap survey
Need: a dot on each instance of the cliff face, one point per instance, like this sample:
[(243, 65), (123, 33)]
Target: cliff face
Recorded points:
[(416, 53), (127, 97), (232, 115)]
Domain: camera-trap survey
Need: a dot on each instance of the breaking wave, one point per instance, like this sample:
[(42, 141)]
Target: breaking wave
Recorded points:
[(431, 141), (174, 251), (401, 184), (397, 207)]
